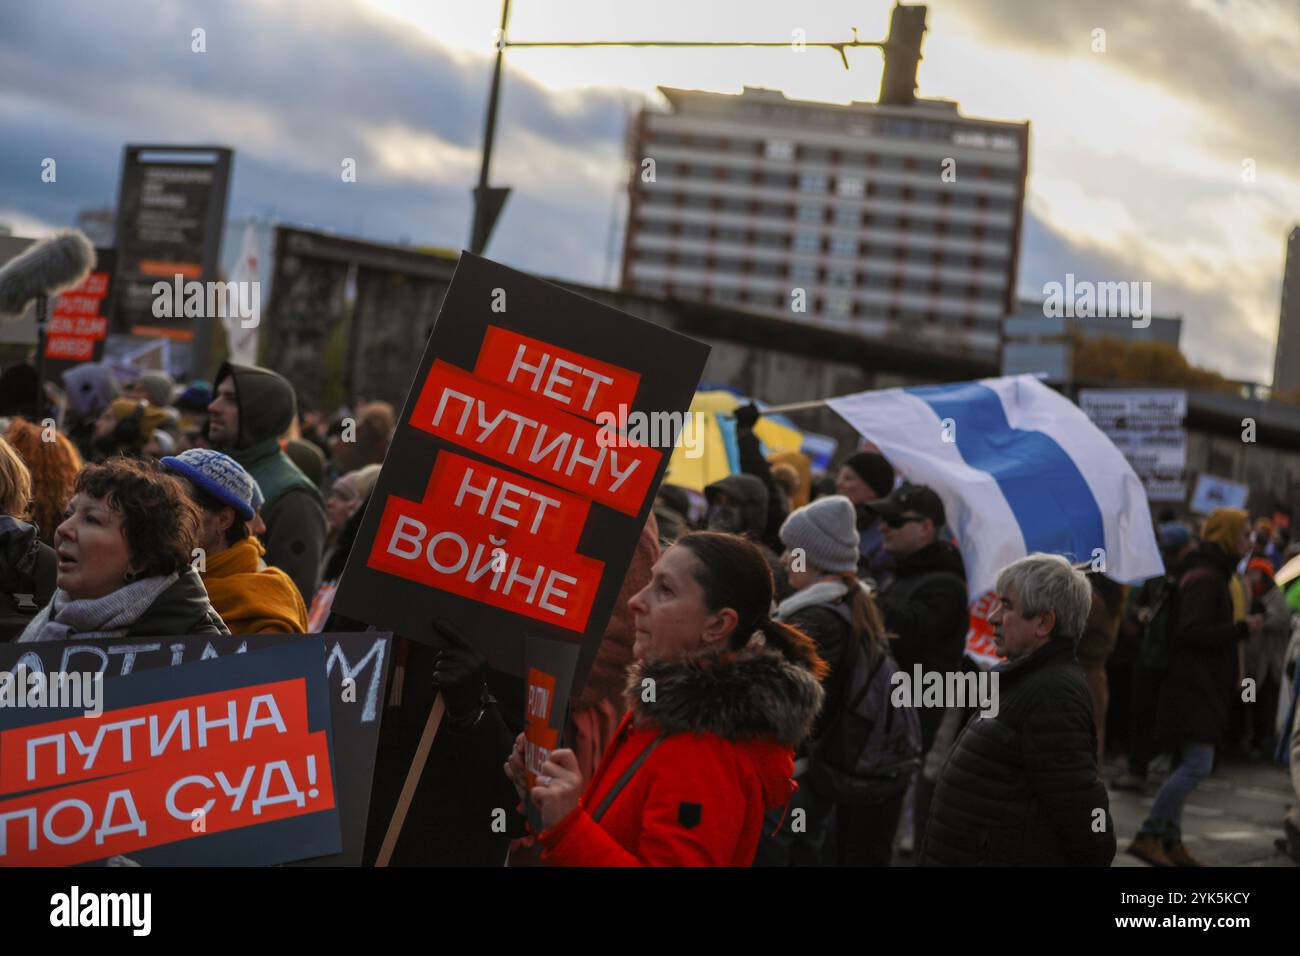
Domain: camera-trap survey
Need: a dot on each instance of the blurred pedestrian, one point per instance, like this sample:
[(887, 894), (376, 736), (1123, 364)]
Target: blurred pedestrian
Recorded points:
[(864, 478), (1192, 714), (126, 427), (27, 566), (346, 496), (1100, 634), (90, 388), (923, 605), (738, 505), (53, 466), (363, 440), (1265, 649)]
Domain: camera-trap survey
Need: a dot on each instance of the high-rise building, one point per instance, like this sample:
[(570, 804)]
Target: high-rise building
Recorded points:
[(1286, 357), (897, 220)]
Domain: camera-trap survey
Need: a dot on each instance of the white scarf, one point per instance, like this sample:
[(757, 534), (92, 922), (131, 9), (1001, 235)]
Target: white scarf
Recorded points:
[(109, 616), (823, 592)]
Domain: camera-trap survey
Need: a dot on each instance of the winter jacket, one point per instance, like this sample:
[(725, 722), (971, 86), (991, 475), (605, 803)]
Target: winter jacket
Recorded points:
[(182, 609), (294, 512), (727, 726), (28, 569), (813, 611), (462, 778), (1197, 690), (1266, 647), (251, 597), (1021, 788), (925, 606)]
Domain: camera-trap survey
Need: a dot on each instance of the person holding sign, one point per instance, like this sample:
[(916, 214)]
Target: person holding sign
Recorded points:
[(124, 549), (719, 696)]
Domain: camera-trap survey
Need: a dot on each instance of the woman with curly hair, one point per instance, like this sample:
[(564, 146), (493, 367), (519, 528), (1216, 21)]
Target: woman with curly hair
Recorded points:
[(53, 466), (124, 551)]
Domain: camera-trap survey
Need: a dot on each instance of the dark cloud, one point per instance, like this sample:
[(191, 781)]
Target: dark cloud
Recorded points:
[(294, 88), (1247, 81)]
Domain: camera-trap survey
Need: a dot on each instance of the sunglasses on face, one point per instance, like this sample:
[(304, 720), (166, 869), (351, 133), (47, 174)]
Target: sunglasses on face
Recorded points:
[(897, 521)]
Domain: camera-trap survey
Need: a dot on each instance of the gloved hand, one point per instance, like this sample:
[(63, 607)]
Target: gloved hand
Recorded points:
[(459, 673), (746, 416)]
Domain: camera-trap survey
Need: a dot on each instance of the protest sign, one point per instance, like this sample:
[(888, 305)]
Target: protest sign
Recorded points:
[(78, 321), (355, 668), (509, 505), (1214, 492), (171, 209), (1147, 426), (550, 681), (225, 762)]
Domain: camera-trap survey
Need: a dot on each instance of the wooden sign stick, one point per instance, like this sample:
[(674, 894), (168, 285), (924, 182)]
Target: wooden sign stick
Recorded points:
[(412, 782)]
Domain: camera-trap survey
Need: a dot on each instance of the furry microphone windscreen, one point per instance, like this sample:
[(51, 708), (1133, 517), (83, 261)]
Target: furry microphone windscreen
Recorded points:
[(49, 267)]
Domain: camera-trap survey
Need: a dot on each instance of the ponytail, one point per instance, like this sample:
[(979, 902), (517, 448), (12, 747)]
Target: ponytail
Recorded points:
[(794, 644), (864, 614)]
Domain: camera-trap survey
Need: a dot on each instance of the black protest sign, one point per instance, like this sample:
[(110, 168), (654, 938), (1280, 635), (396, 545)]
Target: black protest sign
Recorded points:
[(513, 493), (550, 681), (171, 208), (223, 763), (355, 669)]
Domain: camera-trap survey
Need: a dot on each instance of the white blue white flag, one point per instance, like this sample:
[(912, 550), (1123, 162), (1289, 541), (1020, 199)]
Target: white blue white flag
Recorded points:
[(1019, 468)]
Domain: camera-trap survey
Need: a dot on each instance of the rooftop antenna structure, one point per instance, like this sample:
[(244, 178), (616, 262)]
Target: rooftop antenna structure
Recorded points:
[(902, 52)]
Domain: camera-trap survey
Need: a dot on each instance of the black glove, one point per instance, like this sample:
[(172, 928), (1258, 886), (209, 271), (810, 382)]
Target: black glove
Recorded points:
[(459, 673), (746, 416)]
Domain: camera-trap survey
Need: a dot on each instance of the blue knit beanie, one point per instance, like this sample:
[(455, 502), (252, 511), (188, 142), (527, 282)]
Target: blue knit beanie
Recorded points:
[(219, 475)]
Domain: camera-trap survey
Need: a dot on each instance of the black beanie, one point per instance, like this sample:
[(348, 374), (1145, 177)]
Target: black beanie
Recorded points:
[(874, 470)]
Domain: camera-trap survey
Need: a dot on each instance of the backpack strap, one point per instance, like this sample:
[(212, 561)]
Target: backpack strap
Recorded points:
[(860, 647), (622, 781)]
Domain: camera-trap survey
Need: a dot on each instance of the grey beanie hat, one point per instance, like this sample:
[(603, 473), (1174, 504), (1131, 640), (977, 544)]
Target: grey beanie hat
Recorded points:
[(827, 532)]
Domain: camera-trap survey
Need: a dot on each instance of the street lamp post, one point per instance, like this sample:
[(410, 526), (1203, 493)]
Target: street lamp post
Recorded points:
[(902, 50)]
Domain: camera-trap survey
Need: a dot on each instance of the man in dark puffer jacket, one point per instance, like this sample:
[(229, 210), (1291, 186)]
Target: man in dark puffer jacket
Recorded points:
[(1021, 787)]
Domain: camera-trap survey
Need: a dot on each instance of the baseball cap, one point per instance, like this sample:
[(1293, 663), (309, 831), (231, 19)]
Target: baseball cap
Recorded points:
[(916, 499)]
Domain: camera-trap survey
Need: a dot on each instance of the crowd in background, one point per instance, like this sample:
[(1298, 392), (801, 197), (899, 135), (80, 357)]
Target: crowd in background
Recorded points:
[(131, 504)]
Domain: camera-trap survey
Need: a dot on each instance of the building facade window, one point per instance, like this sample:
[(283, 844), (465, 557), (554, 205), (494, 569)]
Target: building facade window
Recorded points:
[(807, 242), (781, 149), (803, 273), (844, 246), (851, 187), (839, 278), (812, 183), (839, 305)]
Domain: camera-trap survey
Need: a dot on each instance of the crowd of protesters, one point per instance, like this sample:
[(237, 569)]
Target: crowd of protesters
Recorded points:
[(774, 615)]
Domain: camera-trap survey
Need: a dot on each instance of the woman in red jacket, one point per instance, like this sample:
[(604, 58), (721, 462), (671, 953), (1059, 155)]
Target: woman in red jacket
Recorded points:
[(719, 696)]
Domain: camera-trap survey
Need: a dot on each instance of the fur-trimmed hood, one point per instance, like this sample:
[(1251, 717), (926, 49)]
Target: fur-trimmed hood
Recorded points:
[(752, 694)]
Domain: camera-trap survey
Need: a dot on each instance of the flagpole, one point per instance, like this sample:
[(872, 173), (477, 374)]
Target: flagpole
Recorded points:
[(793, 407)]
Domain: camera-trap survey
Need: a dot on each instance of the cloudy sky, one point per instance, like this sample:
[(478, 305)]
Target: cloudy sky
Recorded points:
[(1139, 170)]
